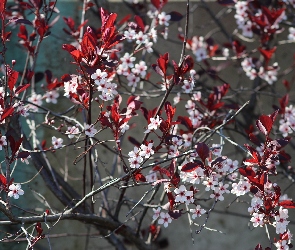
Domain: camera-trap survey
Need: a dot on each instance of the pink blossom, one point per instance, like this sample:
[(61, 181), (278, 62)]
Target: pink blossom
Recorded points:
[(71, 86), (197, 211), (154, 124), (156, 213), (140, 69), (165, 219), (257, 219), (217, 194), (281, 221), (164, 19), (35, 99), (15, 191), (127, 60), (90, 130), (72, 131), (51, 96), (57, 142), (3, 141), (146, 151), (181, 194), (240, 188)]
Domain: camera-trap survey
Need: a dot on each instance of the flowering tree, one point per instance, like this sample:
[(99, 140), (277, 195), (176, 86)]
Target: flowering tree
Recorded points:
[(178, 165)]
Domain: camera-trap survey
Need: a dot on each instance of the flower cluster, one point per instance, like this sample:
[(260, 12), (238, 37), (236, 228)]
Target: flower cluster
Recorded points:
[(3, 141), (15, 191), (287, 122), (253, 69), (258, 19), (154, 123), (104, 85), (132, 72), (137, 156)]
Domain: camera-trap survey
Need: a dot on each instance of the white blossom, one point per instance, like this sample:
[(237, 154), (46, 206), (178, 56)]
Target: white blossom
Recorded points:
[(165, 219), (15, 191), (90, 130), (3, 141), (57, 142), (197, 211), (164, 19), (154, 124)]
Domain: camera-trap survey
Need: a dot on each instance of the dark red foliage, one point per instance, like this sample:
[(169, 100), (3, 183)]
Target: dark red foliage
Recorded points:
[(159, 4), (203, 151), (287, 204), (161, 66), (191, 166)]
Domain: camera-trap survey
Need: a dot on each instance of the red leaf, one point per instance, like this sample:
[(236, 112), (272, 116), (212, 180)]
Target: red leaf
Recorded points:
[(68, 47), (12, 79), (273, 14), (283, 103), (88, 44), (3, 180), (134, 141), (238, 47), (43, 145), (77, 55), (139, 22), (254, 160), (186, 121), (247, 172), (163, 62), (226, 2), (2, 6), (23, 34), (133, 103), (175, 16), (124, 19), (202, 150), (24, 21), (258, 247), (191, 166), (157, 69), (23, 154), (109, 22), (253, 138), (175, 214), (7, 35), (154, 229), (162, 171), (267, 54), (172, 167), (66, 78), (6, 113), (175, 179), (218, 161), (139, 177), (287, 204), (38, 228), (70, 22), (170, 111), (103, 15), (171, 199), (21, 88), (187, 65), (14, 145), (115, 116), (159, 3), (264, 124), (286, 84)]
